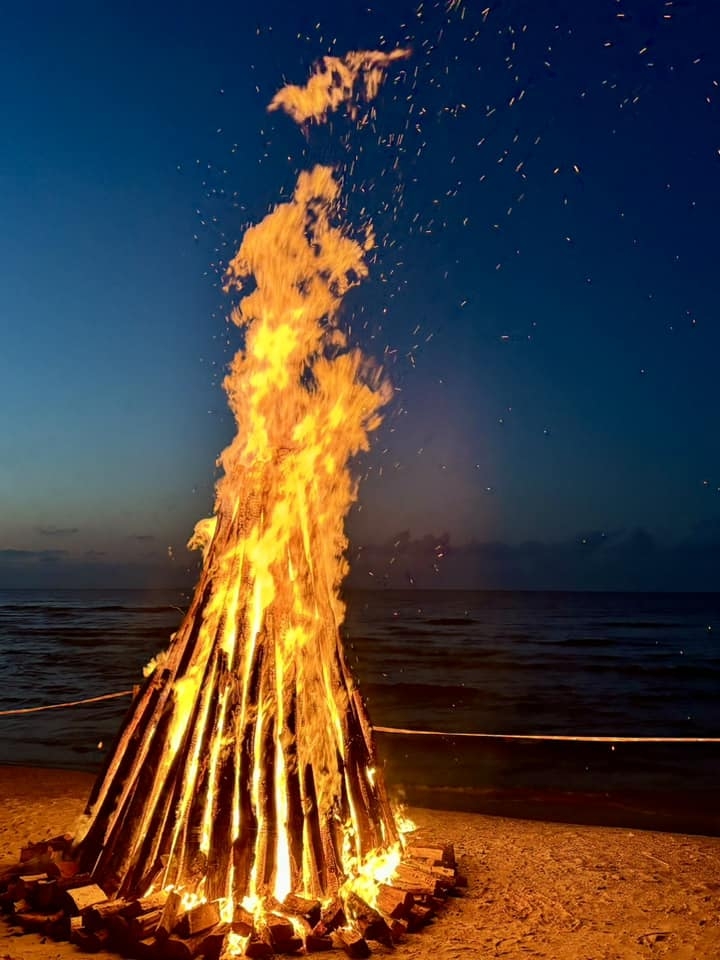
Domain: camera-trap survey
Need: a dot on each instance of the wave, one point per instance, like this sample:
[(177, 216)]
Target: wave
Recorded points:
[(86, 609), (638, 624), (449, 621)]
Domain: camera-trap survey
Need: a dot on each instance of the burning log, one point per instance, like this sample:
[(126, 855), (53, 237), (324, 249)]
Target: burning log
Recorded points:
[(369, 922)]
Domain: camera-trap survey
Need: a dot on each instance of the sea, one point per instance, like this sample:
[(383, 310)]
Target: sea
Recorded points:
[(439, 666)]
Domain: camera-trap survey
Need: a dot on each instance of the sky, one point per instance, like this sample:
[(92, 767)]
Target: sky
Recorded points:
[(543, 179)]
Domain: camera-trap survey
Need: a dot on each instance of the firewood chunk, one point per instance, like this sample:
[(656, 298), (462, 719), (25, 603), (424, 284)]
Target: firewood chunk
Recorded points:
[(309, 910), (258, 948), (398, 929), (415, 880), (440, 853), (316, 944), (393, 902), (144, 925), (419, 917), (45, 893), (98, 914), (202, 917), (80, 898), (369, 922), (36, 921), (170, 916), (280, 930), (351, 942), (333, 916)]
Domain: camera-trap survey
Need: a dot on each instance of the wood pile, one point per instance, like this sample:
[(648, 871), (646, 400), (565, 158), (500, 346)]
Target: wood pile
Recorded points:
[(45, 894)]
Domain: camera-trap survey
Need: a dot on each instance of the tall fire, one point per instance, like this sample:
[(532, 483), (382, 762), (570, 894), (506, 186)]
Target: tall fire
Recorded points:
[(242, 803)]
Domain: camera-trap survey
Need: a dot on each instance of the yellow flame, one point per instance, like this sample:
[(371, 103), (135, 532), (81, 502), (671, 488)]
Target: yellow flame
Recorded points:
[(260, 704)]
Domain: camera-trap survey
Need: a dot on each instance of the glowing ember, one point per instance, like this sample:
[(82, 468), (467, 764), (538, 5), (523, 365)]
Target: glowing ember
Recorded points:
[(245, 771)]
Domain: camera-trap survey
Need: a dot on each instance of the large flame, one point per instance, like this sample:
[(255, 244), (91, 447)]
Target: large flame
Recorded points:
[(245, 770)]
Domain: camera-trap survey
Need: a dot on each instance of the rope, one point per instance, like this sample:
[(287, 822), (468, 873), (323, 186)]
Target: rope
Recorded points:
[(548, 736), (70, 703), (420, 733)]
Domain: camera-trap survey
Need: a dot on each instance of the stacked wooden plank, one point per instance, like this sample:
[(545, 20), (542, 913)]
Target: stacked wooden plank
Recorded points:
[(45, 894)]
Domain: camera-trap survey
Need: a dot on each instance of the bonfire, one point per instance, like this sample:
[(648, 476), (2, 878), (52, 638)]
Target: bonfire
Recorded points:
[(242, 809)]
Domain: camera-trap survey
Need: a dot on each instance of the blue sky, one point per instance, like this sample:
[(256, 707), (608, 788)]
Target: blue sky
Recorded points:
[(545, 297)]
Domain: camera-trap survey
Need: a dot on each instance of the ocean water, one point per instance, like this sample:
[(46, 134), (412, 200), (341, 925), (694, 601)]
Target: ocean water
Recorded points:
[(614, 665)]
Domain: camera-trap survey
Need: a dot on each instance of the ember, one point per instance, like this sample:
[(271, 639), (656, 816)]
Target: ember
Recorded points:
[(242, 809)]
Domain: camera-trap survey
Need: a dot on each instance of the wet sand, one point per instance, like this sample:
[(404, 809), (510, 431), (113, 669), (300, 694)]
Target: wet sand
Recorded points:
[(551, 891)]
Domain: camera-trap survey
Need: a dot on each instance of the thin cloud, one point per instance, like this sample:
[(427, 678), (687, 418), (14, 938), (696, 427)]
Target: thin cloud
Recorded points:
[(31, 556), (53, 531)]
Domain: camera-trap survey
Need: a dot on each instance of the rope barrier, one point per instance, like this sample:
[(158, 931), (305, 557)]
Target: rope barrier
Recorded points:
[(70, 703), (550, 736), (421, 733)]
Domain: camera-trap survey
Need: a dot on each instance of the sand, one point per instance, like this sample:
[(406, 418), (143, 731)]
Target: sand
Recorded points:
[(537, 890)]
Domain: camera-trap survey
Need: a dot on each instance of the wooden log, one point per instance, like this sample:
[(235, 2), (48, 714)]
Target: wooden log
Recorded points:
[(144, 925), (76, 880), (208, 944), (170, 915), (199, 918), (78, 899), (419, 917), (369, 921), (46, 894), (351, 942), (154, 901), (292, 946), (97, 940), (309, 910), (258, 947), (394, 902), (36, 921), (119, 927), (280, 930), (317, 944), (333, 915), (416, 881), (243, 922), (446, 875), (398, 929), (438, 853), (231, 947), (58, 929), (147, 949), (98, 914)]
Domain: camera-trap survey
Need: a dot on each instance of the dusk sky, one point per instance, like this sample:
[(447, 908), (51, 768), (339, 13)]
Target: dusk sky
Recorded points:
[(543, 178)]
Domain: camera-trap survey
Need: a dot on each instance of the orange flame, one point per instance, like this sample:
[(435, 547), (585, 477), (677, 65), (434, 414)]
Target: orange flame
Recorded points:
[(250, 736)]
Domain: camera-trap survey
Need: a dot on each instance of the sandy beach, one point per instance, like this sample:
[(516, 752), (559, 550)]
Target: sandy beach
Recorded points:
[(543, 890)]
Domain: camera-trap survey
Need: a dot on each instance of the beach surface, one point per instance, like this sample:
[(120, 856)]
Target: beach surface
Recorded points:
[(542, 890)]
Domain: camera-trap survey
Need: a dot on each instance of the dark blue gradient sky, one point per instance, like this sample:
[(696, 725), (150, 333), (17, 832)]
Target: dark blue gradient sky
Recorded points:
[(545, 297)]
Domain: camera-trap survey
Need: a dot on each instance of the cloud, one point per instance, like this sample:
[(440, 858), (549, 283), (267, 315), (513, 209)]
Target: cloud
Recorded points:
[(53, 531), (31, 556), (56, 569), (632, 560), (142, 537)]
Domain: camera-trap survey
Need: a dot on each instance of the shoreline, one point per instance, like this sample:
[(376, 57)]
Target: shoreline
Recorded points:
[(553, 891)]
